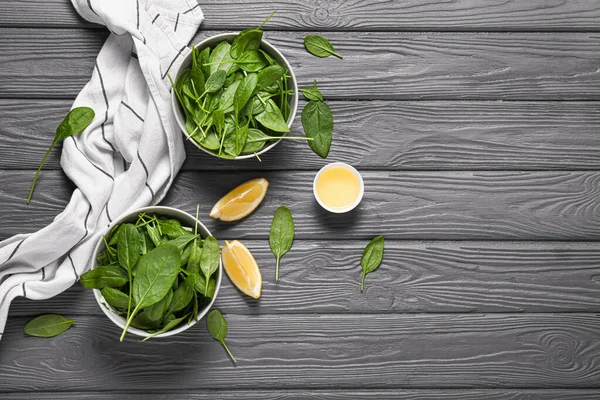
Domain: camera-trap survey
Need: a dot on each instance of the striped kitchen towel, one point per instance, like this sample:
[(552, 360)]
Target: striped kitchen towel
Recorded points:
[(127, 158)]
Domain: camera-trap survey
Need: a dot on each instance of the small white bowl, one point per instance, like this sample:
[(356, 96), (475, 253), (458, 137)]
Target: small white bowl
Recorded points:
[(267, 48), (360, 182), (186, 220)]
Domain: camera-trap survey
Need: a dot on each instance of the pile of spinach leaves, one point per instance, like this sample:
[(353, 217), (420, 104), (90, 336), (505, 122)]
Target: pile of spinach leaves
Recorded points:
[(235, 96), (156, 273)]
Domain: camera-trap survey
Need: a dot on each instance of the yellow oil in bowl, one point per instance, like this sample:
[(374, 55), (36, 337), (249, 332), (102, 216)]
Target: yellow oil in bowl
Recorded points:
[(338, 187)]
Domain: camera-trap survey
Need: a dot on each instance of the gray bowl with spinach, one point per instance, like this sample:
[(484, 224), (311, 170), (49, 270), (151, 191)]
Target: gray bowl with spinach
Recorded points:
[(235, 108), (156, 272)]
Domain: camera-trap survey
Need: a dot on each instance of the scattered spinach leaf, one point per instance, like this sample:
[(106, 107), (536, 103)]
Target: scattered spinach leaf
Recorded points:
[(281, 235), (371, 258), (319, 46), (217, 327), (74, 123), (48, 325)]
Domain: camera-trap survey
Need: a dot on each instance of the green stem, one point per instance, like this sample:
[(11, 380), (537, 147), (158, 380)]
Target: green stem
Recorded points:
[(130, 291), (362, 282), (266, 20), (38, 171), (129, 319), (257, 157), (277, 138), (228, 352), (337, 55), (277, 269)]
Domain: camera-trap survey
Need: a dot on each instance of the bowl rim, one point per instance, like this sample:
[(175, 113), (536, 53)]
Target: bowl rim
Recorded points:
[(360, 193), (268, 48), (120, 321)]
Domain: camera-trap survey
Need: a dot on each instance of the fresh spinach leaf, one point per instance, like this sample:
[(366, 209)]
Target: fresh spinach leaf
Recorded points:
[(317, 121), (319, 46), (220, 59), (270, 75), (217, 327), (313, 93), (248, 39), (215, 81), (157, 311), (156, 272), (103, 277), (183, 295), (210, 258), (271, 118), (205, 289), (244, 92), (48, 325), (115, 297), (252, 61), (74, 123), (371, 258), (281, 235)]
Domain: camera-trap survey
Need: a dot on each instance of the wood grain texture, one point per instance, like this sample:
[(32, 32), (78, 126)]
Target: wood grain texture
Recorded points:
[(392, 66), (391, 135), (399, 205), (378, 394), (314, 352), (414, 277), (353, 15)]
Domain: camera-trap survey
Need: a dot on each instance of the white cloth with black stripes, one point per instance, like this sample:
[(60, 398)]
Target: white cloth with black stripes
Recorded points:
[(127, 158)]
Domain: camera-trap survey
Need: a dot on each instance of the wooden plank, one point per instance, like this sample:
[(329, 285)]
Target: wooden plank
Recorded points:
[(377, 394), (391, 135), (315, 352), (415, 277), (353, 15), (392, 66), (401, 205)]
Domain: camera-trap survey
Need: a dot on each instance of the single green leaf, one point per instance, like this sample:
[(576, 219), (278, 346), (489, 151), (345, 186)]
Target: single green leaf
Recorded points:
[(317, 121), (183, 295), (281, 235), (313, 93), (114, 236), (128, 248), (211, 142), (103, 277), (270, 75), (74, 123), (252, 61), (319, 46), (142, 321), (201, 287), (204, 58), (240, 138), (198, 79), (210, 257), (156, 272), (48, 325), (271, 118), (226, 102), (217, 327), (371, 258), (244, 91), (115, 297), (173, 323), (182, 241), (221, 60), (154, 234), (215, 81), (255, 141), (157, 311), (248, 39), (193, 265), (172, 228)]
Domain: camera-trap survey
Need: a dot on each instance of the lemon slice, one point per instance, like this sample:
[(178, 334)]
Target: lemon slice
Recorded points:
[(242, 269), (241, 201)]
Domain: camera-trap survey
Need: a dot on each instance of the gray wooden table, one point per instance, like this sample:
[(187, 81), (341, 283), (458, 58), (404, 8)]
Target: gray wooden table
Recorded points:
[(476, 124)]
